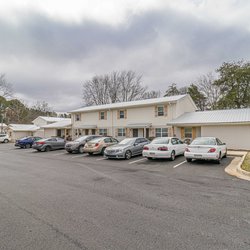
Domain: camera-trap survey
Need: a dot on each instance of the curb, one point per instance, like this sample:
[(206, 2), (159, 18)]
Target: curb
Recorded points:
[(237, 170)]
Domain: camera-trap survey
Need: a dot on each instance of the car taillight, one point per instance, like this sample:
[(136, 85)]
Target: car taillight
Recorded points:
[(187, 150), (40, 142), (163, 148), (145, 148), (97, 144), (211, 150)]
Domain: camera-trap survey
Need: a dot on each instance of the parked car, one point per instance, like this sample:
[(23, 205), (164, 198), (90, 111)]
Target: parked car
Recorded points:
[(27, 142), (98, 145), (206, 148), (164, 147), (49, 144), (126, 148), (4, 138), (77, 145)]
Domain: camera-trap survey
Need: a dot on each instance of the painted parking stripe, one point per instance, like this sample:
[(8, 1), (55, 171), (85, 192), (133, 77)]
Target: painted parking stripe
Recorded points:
[(143, 159), (179, 164), (60, 154), (78, 156), (101, 159)]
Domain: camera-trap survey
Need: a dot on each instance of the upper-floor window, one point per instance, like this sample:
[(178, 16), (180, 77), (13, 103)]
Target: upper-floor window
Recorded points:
[(77, 117), (102, 115), (160, 110), (122, 114)]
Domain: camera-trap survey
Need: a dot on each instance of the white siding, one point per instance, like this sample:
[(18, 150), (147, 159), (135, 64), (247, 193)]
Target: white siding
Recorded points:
[(49, 132), (235, 136)]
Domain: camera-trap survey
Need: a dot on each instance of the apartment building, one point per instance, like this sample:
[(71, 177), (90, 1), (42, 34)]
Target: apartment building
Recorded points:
[(146, 118)]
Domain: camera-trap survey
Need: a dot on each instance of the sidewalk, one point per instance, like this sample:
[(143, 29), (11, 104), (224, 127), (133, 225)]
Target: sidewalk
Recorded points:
[(235, 167)]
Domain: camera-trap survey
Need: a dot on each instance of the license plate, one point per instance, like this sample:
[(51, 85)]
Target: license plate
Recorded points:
[(151, 153), (199, 156)]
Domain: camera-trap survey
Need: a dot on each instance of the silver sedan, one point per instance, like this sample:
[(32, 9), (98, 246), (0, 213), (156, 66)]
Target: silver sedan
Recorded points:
[(126, 148)]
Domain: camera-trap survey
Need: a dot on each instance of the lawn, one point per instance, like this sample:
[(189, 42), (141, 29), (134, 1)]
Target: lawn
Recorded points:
[(246, 163)]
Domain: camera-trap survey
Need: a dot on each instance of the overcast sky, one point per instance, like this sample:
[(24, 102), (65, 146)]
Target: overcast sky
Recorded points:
[(48, 48)]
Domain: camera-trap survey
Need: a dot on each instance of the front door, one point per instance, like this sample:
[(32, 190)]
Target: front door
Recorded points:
[(59, 133), (135, 132), (93, 131)]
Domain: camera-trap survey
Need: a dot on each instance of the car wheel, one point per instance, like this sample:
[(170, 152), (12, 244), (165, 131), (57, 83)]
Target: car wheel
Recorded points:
[(80, 149), (27, 146), (90, 153), (172, 157), (219, 159), (128, 154), (188, 159), (102, 152), (149, 158), (70, 152), (225, 156), (47, 148), (6, 141)]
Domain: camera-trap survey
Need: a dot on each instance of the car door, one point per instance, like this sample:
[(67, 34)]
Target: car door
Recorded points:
[(174, 146), (52, 142), (138, 146), (182, 146), (221, 146)]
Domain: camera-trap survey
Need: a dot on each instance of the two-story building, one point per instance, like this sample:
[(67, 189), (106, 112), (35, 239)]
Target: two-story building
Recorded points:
[(146, 118)]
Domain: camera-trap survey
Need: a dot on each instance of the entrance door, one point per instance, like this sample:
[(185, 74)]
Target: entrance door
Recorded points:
[(147, 132), (59, 133), (135, 132)]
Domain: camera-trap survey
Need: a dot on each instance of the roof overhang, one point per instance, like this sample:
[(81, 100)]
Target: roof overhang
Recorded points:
[(85, 127), (207, 124)]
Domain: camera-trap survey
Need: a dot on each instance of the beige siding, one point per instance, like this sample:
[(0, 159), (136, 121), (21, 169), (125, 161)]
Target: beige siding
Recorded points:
[(39, 122), (49, 132), (235, 136), (183, 105), (19, 134)]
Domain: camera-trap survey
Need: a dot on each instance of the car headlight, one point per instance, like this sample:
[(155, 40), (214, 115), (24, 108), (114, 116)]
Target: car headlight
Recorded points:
[(118, 150)]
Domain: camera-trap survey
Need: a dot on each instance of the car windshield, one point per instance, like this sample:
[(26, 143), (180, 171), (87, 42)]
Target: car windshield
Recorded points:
[(160, 141), (24, 138), (96, 140), (204, 141), (127, 141), (81, 139)]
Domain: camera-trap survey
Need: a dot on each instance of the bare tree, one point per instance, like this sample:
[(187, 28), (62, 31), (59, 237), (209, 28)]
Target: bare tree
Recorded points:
[(6, 89), (116, 87), (152, 94), (212, 92)]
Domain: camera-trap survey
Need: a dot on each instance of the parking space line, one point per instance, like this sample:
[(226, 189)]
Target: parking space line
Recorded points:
[(60, 154), (179, 164), (78, 156), (101, 159), (143, 159)]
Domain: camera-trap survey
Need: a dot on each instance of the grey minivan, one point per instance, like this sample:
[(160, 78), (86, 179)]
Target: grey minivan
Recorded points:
[(126, 148)]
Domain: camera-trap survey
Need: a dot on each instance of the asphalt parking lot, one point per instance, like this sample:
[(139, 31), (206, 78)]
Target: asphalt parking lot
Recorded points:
[(56, 200)]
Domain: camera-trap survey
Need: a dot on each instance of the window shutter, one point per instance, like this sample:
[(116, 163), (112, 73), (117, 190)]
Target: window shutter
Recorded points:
[(116, 132), (156, 111), (105, 115), (127, 132), (125, 114), (97, 131), (118, 114), (182, 133), (193, 133), (99, 115), (165, 110)]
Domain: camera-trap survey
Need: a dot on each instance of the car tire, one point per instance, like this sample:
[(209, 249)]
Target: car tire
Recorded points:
[(188, 159), (225, 155), (172, 157), (218, 161), (80, 149), (27, 146), (102, 152), (70, 152), (6, 141), (149, 158), (128, 155), (47, 149), (90, 153)]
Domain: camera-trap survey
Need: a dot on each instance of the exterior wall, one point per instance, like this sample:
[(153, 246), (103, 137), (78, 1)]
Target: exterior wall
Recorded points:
[(183, 105), (49, 132), (39, 122), (14, 135), (235, 136), (145, 114), (39, 133)]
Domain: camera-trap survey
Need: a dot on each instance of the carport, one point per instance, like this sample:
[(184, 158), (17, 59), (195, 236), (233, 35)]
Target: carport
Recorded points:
[(230, 126)]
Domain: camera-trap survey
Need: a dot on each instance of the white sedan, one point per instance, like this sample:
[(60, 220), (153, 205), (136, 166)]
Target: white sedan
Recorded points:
[(206, 148), (164, 147)]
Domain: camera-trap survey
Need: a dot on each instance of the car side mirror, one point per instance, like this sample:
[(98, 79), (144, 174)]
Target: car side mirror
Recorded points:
[(136, 144)]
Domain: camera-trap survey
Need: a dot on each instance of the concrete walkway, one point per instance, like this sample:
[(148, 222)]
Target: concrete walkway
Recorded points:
[(235, 167)]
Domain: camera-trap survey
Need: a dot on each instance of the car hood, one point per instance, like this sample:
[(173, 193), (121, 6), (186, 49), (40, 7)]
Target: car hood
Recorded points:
[(72, 143)]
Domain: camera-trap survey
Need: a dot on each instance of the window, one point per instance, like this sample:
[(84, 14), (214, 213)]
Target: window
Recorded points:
[(107, 140), (103, 131), (161, 132), (77, 117), (102, 115), (188, 132), (122, 114), (121, 132), (160, 111)]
